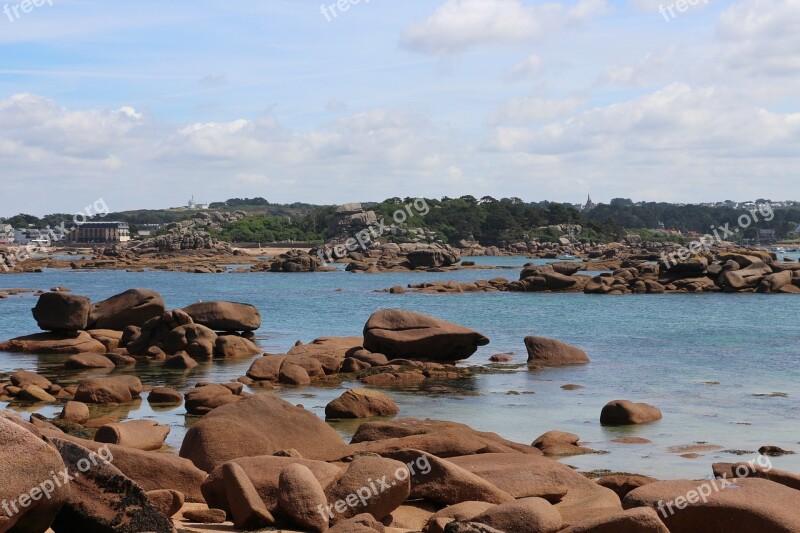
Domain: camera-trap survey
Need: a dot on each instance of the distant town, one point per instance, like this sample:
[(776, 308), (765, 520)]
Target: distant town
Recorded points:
[(488, 220)]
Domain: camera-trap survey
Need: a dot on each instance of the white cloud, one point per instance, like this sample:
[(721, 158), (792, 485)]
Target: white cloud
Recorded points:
[(762, 37), (461, 24)]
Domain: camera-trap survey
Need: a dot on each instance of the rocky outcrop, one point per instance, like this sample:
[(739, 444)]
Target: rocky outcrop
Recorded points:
[(407, 334), (293, 261), (191, 234), (348, 221)]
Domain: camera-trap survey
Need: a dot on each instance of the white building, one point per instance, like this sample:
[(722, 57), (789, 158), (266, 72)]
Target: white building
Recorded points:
[(6, 234), (194, 205)]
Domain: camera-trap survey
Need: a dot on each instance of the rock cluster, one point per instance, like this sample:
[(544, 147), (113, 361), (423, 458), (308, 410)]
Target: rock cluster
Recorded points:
[(737, 271), (192, 234), (291, 261), (136, 323), (392, 257)]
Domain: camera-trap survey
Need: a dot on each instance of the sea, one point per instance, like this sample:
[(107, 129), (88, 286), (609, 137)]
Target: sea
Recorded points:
[(723, 368)]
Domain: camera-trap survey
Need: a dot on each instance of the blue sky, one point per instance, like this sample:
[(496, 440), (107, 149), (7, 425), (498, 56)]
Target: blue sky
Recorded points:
[(144, 103)]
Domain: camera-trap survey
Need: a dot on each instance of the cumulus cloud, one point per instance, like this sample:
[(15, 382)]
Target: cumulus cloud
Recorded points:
[(461, 24), (125, 156), (675, 119)]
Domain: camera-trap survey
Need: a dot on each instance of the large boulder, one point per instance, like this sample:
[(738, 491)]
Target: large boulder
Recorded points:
[(721, 506), (407, 334), (225, 316), (440, 481), (627, 413), (247, 508), (434, 256), (116, 389), (131, 308), (237, 430), (380, 486), (54, 343), (525, 476), (300, 496), (437, 437), (550, 352), (361, 403), (101, 498), (26, 475), (60, 311)]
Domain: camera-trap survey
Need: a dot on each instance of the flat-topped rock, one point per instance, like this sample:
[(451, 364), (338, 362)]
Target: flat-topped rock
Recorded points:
[(408, 334)]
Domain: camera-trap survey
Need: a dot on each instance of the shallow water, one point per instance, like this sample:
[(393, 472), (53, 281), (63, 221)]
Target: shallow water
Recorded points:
[(666, 350)]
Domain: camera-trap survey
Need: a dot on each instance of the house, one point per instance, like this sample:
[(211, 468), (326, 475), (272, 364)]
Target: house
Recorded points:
[(6, 234), (99, 232), (30, 236)]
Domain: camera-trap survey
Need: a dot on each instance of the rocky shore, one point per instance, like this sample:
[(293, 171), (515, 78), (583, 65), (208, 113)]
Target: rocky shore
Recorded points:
[(251, 460), (725, 271)]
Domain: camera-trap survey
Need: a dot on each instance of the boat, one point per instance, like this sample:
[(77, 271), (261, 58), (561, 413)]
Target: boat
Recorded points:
[(567, 257)]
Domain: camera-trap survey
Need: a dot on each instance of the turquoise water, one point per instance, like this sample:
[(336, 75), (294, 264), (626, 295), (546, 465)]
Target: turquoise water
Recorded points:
[(659, 349)]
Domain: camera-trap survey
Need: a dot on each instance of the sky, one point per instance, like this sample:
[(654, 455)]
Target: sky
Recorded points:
[(144, 104)]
